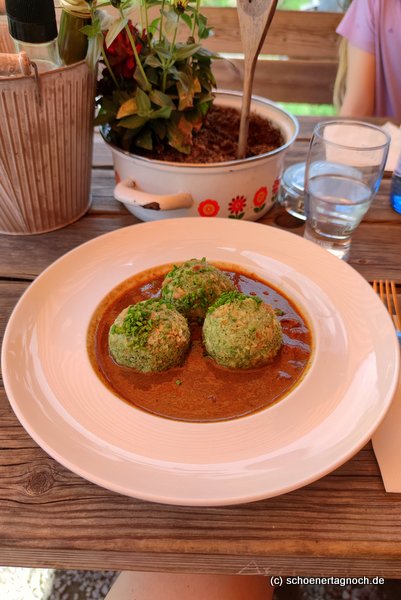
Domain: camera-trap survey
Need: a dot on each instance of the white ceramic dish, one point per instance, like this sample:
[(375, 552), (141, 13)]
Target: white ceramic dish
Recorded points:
[(242, 189), (330, 415)]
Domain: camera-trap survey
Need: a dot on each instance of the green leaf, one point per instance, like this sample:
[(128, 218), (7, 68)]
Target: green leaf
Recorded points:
[(115, 28), (105, 19), (203, 31), (153, 77), (95, 45), (143, 103), (127, 5), (186, 90), (170, 20), (185, 51), (101, 119), (163, 52), (186, 98), (154, 25), (179, 132), (183, 79), (161, 99), (129, 107), (133, 122), (144, 139), (161, 113), (205, 53), (120, 96), (207, 79), (187, 20), (159, 127), (126, 138), (107, 111), (152, 61), (93, 29), (138, 76), (176, 139), (204, 106)]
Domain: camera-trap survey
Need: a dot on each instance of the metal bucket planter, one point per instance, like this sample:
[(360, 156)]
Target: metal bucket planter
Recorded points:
[(46, 139)]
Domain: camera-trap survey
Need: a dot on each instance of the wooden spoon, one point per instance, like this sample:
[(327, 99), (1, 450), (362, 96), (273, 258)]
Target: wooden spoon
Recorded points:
[(255, 17)]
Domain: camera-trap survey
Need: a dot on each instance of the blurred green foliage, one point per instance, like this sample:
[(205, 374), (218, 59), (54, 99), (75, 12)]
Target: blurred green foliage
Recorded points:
[(302, 109)]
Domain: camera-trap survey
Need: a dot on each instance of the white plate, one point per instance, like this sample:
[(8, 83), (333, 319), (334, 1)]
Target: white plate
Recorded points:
[(68, 411)]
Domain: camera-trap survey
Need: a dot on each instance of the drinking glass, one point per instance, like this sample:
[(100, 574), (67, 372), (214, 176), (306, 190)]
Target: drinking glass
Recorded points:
[(344, 168)]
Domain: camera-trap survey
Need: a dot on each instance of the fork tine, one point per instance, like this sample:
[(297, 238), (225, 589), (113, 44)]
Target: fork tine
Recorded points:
[(389, 304), (388, 294), (397, 310), (379, 288)]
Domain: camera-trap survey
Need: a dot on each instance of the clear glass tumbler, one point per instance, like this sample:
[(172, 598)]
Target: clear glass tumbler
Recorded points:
[(343, 172)]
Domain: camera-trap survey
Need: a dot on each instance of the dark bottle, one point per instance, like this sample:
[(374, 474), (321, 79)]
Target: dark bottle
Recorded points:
[(72, 43), (395, 194), (32, 25)]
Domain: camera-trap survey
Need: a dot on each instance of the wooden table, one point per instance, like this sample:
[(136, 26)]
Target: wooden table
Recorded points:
[(342, 525)]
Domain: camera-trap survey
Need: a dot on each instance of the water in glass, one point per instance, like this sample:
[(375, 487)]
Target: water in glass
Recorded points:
[(335, 205)]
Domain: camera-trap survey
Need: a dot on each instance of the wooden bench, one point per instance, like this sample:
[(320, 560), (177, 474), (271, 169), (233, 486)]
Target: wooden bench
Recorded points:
[(298, 62)]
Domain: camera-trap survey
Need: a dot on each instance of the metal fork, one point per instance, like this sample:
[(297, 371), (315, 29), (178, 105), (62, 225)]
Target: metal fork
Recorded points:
[(388, 293)]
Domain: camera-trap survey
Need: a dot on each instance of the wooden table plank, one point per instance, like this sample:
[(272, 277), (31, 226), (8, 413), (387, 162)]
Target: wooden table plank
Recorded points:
[(376, 241), (28, 255)]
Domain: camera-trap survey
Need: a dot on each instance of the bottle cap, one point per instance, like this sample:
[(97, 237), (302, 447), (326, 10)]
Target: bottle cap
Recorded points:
[(32, 21)]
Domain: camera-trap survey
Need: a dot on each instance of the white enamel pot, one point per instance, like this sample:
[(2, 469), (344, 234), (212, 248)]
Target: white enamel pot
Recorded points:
[(241, 189)]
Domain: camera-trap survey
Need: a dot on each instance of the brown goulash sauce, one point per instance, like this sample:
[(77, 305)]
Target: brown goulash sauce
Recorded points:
[(200, 390)]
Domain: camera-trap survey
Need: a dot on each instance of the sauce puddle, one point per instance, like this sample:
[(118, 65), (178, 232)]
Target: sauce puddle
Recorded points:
[(200, 390)]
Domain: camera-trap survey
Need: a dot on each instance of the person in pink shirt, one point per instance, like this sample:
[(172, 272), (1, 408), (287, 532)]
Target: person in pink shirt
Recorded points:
[(372, 29)]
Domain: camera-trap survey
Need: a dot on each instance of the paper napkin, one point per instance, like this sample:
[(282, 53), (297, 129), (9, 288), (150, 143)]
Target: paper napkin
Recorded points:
[(342, 144), (337, 134), (387, 444)]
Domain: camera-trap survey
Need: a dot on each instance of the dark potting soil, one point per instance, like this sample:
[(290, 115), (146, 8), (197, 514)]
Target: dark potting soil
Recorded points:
[(217, 141)]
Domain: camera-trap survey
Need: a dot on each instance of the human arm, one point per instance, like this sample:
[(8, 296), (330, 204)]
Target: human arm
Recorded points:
[(359, 98)]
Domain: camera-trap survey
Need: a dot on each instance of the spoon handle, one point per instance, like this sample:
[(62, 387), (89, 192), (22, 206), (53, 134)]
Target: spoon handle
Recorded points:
[(255, 17)]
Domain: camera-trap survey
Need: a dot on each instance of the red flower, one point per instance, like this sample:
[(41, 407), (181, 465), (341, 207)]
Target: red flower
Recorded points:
[(208, 208), (237, 204), (260, 196), (121, 55), (276, 185)]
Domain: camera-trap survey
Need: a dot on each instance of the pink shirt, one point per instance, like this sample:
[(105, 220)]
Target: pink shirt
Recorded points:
[(375, 26)]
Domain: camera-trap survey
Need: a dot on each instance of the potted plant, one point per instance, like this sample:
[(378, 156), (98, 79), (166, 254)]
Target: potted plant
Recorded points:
[(162, 118)]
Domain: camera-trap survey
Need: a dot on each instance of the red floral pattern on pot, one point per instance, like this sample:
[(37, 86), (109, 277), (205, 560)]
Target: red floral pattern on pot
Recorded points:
[(208, 208), (237, 207), (259, 199), (260, 196), (275, 188)]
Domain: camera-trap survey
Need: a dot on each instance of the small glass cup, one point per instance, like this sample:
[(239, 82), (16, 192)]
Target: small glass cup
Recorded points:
[(292, 188), (343, 172)]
